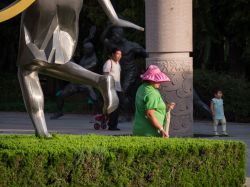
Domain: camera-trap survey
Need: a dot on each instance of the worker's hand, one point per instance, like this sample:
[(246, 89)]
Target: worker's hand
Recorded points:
[(171, 106), (164, 134)]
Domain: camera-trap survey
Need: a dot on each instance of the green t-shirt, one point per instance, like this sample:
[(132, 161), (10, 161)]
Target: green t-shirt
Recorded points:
[(148, 98)]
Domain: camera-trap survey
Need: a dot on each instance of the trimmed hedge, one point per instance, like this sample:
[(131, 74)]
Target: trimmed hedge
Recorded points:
[(70, 160)]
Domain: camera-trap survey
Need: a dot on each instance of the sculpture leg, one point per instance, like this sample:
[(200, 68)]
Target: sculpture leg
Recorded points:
[(77, 74), (33, 99)]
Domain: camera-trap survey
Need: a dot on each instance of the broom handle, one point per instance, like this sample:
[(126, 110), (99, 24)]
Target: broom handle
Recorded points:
[(168, 117)]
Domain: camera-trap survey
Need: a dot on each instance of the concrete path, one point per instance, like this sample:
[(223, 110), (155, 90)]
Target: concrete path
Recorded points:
[(19, 123)]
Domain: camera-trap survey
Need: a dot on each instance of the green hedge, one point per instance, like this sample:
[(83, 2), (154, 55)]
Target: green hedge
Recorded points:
[(70, 160), (236, 93)]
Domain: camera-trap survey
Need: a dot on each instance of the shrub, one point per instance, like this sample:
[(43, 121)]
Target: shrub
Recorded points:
[(70, 160), (236, 93)]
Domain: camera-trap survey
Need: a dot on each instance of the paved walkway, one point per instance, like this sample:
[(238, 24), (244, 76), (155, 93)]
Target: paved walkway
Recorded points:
[(19, 123)]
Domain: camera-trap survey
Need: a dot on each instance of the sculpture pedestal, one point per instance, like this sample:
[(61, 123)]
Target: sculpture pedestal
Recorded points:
[(169, 43), (180, 90)]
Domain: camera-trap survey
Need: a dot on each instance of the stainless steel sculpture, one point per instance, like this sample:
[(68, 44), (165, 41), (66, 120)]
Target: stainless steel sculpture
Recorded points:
[(88, 61), (48, 38)]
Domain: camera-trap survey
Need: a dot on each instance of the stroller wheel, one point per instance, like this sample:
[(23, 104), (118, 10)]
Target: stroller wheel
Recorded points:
[(103, 125), (97, 126)]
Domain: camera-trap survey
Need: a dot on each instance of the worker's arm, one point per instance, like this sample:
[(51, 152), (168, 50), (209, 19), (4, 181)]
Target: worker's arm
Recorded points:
[(154, 121)]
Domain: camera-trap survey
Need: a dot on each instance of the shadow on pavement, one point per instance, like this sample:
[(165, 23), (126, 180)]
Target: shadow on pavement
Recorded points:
[(208, 136)]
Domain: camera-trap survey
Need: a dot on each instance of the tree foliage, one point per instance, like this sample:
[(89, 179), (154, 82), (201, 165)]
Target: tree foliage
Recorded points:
[(221, 32), (221, 35), (91, 14)]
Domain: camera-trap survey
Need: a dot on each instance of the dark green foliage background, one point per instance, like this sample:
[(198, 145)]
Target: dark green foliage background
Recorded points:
[(221, 32), (91, 14), (221, 51), (236, 93), (67, 160), (221, 36)]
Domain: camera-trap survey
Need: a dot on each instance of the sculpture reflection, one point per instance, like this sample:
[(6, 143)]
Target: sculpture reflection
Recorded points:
[(48, 38)]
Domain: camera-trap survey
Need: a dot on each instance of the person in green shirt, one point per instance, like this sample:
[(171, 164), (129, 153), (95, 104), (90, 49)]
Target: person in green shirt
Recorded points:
[(150, 115)]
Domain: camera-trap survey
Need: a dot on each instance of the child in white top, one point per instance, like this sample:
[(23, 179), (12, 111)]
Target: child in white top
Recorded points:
[(217, 110)]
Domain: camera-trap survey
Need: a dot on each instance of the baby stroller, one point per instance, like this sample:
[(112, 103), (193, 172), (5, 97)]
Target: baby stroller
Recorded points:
[(101, 121)]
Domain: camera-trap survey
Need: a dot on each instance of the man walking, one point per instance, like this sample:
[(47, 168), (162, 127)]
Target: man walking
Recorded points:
[(112, 67)]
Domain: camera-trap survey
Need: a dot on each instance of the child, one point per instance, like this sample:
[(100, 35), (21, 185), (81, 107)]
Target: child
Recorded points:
[(217, 110)]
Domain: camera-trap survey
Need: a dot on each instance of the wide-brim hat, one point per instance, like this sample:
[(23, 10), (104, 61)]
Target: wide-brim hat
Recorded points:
[(154, 74)]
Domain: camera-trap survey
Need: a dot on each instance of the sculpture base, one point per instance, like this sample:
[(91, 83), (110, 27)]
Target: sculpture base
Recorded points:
[(179, 67)]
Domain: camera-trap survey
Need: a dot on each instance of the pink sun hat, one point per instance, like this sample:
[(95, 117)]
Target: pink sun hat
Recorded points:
[(154, 74)]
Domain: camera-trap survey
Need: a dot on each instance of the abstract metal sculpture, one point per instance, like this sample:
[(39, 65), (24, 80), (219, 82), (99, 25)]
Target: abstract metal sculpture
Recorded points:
[(88, 61), (48, 38)]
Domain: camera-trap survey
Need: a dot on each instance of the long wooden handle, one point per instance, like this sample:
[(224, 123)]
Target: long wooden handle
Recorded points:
[(168, 118)]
